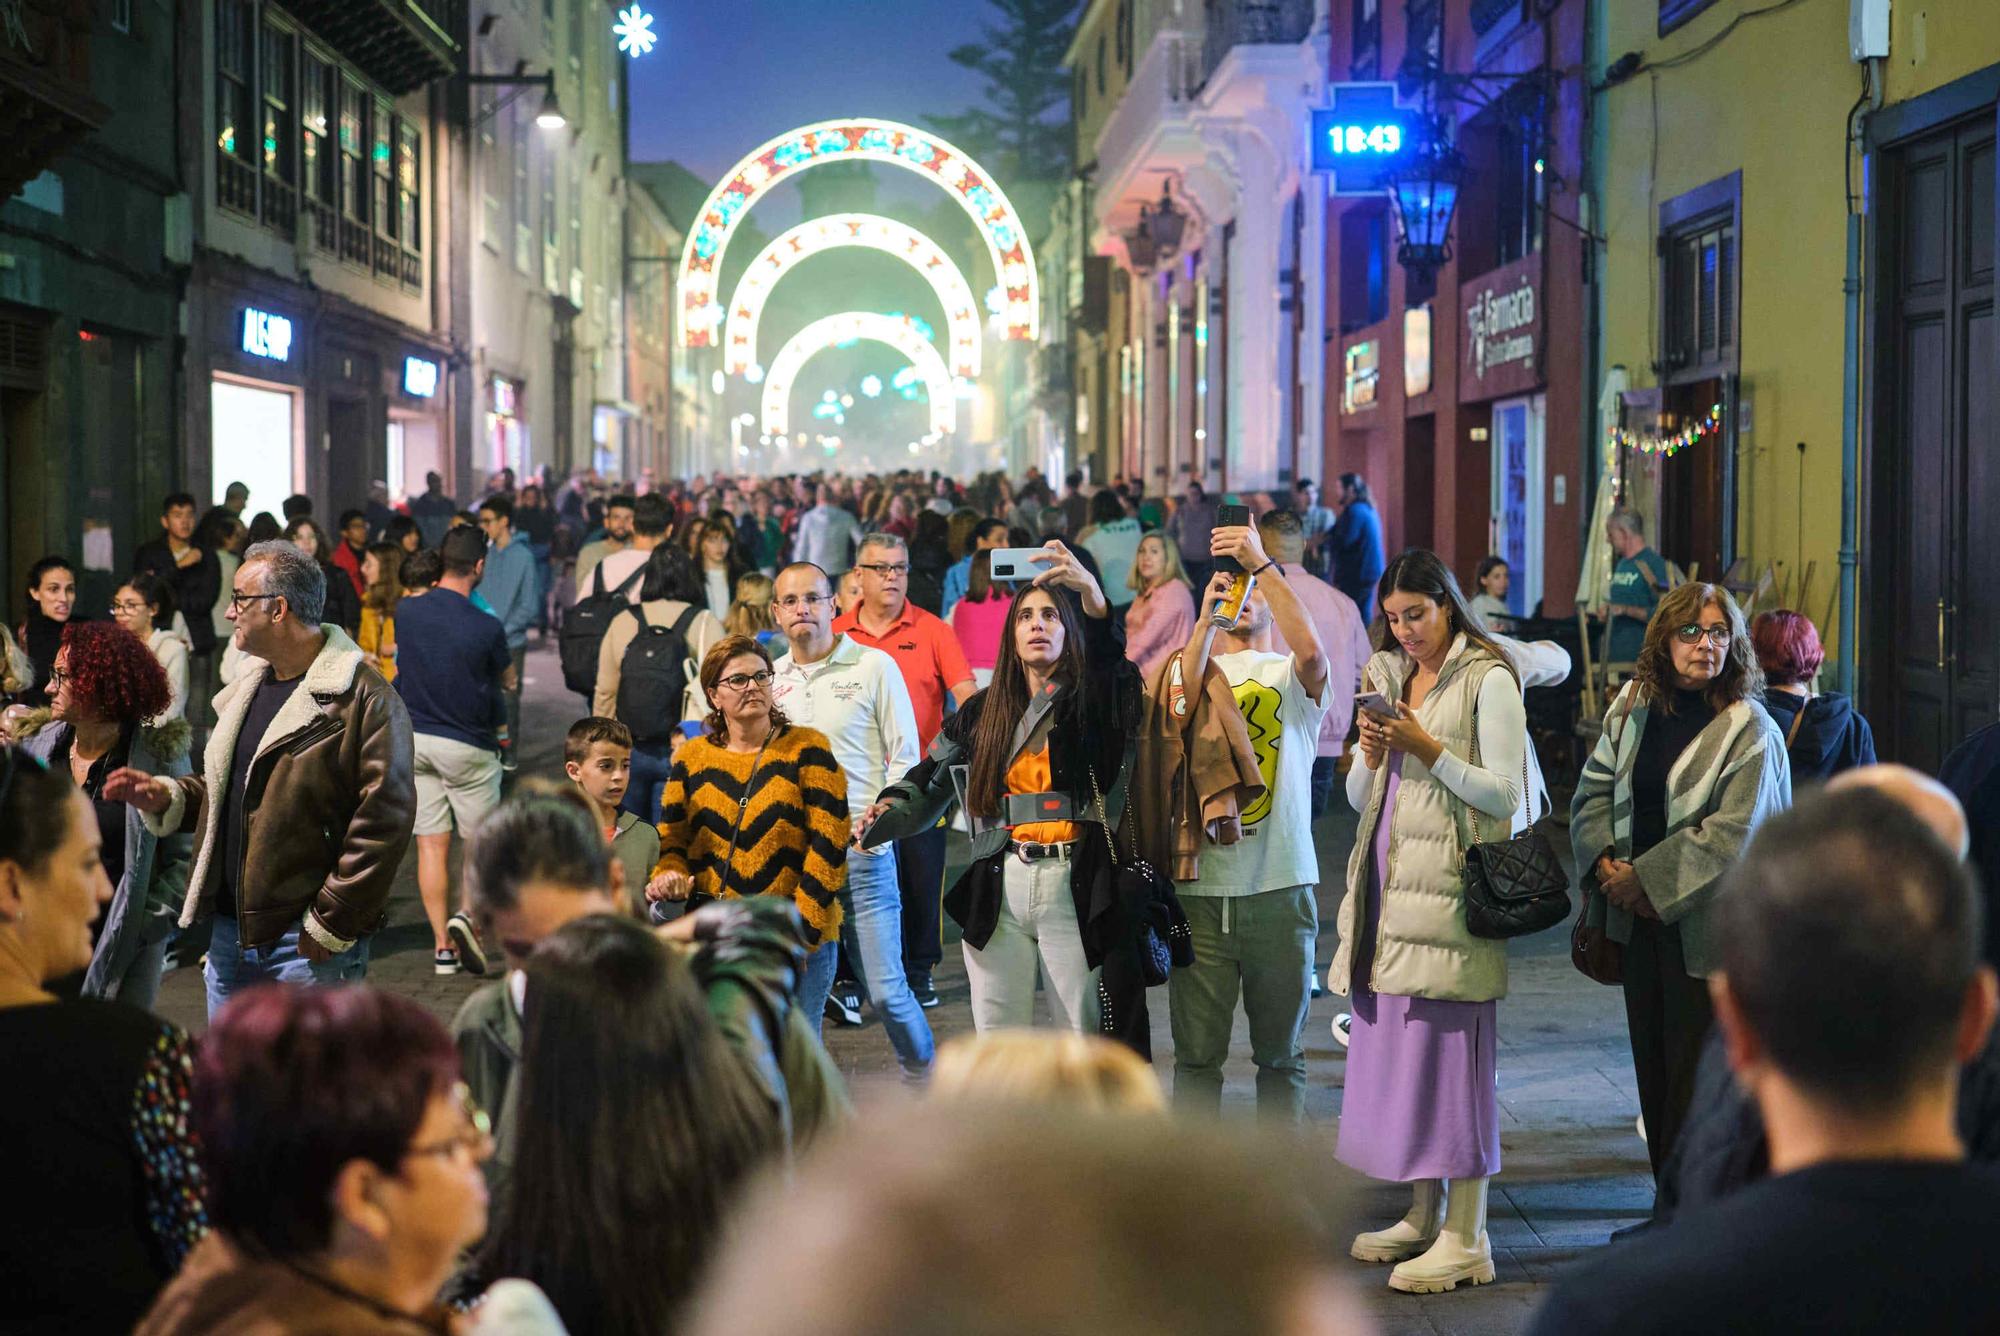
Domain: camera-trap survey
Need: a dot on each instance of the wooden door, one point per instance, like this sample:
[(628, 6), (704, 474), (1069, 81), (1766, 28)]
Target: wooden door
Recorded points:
[(1938, 637)]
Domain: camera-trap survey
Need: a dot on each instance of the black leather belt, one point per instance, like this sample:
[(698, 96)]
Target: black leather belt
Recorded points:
[(1034, 851)]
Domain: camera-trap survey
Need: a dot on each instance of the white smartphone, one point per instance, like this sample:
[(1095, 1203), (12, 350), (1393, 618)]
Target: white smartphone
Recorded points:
[(1375, 703), (1019, 563)]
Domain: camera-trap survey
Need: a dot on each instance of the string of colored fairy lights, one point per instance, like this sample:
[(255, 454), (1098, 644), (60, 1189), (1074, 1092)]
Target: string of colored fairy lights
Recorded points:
[(1672, 443)]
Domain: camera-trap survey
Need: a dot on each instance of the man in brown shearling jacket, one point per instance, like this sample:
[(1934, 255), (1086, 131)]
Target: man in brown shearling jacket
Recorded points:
[(306, 795)]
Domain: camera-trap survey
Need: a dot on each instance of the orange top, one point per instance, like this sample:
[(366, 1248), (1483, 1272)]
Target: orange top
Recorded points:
[(1030, 774)]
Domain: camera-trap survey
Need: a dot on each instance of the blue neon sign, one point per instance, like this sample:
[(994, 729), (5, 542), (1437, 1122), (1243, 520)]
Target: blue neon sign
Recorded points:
[(1362, 138), (266, 335), (420, 377)]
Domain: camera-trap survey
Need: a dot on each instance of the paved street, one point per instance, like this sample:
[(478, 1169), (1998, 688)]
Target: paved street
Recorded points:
[(1574, 1169)]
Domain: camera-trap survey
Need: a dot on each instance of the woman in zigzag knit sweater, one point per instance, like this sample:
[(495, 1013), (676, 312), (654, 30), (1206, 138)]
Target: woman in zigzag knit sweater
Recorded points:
[(757, 806)]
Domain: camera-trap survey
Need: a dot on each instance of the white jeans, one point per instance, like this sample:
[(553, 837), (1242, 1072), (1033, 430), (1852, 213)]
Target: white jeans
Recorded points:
[(1036, 926)]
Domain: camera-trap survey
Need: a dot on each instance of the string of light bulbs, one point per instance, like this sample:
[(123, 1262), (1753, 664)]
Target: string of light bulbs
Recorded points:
[(1672, 443)]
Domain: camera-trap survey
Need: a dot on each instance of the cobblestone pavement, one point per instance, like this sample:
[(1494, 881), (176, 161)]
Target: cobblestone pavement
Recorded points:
[(1574, 1167)]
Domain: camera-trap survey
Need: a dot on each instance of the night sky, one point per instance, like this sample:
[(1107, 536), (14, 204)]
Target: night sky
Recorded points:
[(728, 76)]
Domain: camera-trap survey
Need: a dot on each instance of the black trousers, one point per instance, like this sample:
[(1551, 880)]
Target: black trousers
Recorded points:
[(920, 878), (1669, 1016)]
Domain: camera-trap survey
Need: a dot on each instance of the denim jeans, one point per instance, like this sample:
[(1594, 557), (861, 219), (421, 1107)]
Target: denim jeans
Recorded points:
[(1261, 948), (233, 967), (1326, 774), (650, 766), (920, 874), (871, 938), (816, 982)]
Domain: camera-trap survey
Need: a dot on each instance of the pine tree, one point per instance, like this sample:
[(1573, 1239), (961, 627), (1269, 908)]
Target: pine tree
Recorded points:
[(1022, 132)]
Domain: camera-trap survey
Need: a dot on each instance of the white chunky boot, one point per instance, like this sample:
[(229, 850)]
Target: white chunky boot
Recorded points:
[(1461, 1253), (1412, 1234)]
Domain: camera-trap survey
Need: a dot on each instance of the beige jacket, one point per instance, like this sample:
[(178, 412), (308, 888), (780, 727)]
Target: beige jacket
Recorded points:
[(703, 632), (1422, 946)]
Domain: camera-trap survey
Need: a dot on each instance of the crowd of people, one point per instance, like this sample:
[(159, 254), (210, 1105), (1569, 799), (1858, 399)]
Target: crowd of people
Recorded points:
[(1136, 710)]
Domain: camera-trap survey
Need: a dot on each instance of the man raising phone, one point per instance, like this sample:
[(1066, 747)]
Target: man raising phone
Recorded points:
[(1253, 912)]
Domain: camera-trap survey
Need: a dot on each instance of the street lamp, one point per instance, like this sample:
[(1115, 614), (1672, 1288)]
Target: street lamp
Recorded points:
[(550, 117), (1165, 224), (1426, 196)]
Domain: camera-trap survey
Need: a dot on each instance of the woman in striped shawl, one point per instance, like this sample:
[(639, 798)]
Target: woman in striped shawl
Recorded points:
[(1688, 765)]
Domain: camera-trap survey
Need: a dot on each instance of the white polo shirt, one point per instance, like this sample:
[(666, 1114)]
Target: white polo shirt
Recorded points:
[(856, 697)]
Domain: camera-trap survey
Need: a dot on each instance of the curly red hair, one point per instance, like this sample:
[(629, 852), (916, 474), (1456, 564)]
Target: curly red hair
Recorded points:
[(113, 672)]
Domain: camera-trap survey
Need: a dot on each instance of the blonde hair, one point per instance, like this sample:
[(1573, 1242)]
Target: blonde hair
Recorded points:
[(1170, 569), (1082, 1072), (751, 612)]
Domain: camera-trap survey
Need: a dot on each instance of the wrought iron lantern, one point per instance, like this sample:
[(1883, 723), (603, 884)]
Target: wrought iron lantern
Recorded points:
[(1426, 195)]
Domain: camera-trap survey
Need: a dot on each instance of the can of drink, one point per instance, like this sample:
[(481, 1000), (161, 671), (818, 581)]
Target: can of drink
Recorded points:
[(1230, 610)]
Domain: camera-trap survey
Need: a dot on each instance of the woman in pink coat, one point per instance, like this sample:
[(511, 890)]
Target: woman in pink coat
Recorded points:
[(1160, 620)]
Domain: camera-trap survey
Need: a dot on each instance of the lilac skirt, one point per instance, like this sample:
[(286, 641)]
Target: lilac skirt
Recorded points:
[(1421, 1098)]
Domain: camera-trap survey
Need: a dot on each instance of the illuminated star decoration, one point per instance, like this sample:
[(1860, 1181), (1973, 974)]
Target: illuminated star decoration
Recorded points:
[(635, 31)]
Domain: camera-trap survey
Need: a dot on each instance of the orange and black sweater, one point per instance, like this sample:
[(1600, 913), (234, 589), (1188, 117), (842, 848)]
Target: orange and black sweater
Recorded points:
[(795, 826)]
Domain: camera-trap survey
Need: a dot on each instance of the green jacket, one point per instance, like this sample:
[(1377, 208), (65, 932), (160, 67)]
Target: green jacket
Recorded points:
[(748, 957)]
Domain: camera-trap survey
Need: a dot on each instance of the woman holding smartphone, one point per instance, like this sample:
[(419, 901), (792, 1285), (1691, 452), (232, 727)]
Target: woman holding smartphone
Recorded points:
[(1032, 751), (1440, 768)]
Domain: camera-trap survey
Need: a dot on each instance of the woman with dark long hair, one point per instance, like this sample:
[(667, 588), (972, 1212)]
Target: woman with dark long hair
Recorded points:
[(51, 603), (343, 605), (637, 1126), (382, 577), (1049, 734), (717, 561), (1688, 766), (1421, 1105), (104, 1196)]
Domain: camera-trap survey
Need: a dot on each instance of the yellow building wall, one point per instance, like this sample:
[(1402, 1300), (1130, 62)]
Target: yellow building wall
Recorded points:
[(1771, 101)]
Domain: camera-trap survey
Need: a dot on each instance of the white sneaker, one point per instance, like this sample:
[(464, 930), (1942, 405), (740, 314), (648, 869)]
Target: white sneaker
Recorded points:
[(1343, 1026)]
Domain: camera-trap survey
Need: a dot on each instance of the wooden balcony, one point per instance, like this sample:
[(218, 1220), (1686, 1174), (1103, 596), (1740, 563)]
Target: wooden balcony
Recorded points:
[(45, 101), (400, 44)]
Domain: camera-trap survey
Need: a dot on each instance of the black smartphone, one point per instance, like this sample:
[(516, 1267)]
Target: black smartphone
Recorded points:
[(1231, 517)]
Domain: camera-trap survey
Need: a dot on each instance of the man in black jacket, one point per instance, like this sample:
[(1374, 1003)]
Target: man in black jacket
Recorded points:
[(195, 576)]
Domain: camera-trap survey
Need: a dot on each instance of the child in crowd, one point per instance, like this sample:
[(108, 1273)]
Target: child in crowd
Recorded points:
[(597, 757)]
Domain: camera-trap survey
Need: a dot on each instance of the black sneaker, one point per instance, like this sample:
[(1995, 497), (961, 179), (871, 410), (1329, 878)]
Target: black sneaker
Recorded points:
[(920, 984), (843, 1004), (465, 939)]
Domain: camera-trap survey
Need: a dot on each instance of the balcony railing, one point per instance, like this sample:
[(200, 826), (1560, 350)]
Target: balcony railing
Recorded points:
[(324, 224), (354, 239), (413, 271), (280, 207), (388, 259), (235, 183), (1233, 23)]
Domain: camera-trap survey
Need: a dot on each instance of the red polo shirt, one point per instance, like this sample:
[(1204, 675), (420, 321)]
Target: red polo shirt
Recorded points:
[(927, 651)]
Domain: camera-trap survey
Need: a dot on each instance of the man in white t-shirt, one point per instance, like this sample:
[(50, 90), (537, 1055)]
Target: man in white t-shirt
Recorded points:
[(1253, 912), (855, 695)]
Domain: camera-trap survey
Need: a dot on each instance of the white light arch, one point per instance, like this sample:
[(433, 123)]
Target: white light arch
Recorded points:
[(898, 332), (870, 231), (856, 140)]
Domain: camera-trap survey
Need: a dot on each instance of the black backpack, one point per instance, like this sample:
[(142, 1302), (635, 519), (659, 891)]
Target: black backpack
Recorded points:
[(584, 626), (652, 677)]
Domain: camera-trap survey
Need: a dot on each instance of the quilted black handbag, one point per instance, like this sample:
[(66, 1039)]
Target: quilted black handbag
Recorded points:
[(1161, 936), (1515, 886)]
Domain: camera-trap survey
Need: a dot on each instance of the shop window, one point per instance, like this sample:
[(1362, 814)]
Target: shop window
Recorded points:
[(1364, 266), (1366, 45), (235, 116), (1673, 13)]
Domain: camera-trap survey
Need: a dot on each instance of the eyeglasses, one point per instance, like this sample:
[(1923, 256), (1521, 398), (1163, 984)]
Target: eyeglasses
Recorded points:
[(474, 1142), (1718, 635), (886, 570), (121, 609), (239, 601), (791, 601), (744, 681)]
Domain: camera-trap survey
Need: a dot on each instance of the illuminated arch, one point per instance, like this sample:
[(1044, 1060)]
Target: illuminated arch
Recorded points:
[(899, 332), (861, 140), (873, 232)]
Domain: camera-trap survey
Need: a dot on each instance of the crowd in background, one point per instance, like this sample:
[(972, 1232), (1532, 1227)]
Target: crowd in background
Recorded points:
[(1134, 709)]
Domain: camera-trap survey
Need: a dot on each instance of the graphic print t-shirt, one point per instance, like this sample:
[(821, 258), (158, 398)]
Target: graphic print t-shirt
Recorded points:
[(1276, 851)]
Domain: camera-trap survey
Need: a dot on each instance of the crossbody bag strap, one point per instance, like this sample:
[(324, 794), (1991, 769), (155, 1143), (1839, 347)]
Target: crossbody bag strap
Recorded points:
[(742, 806), (1792, 733)]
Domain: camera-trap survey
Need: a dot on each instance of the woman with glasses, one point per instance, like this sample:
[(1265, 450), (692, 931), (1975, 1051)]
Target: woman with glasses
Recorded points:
[(342, 1157), (757, 806), (103, 1196), (144, 606), (106, 688), (1688, 766)]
